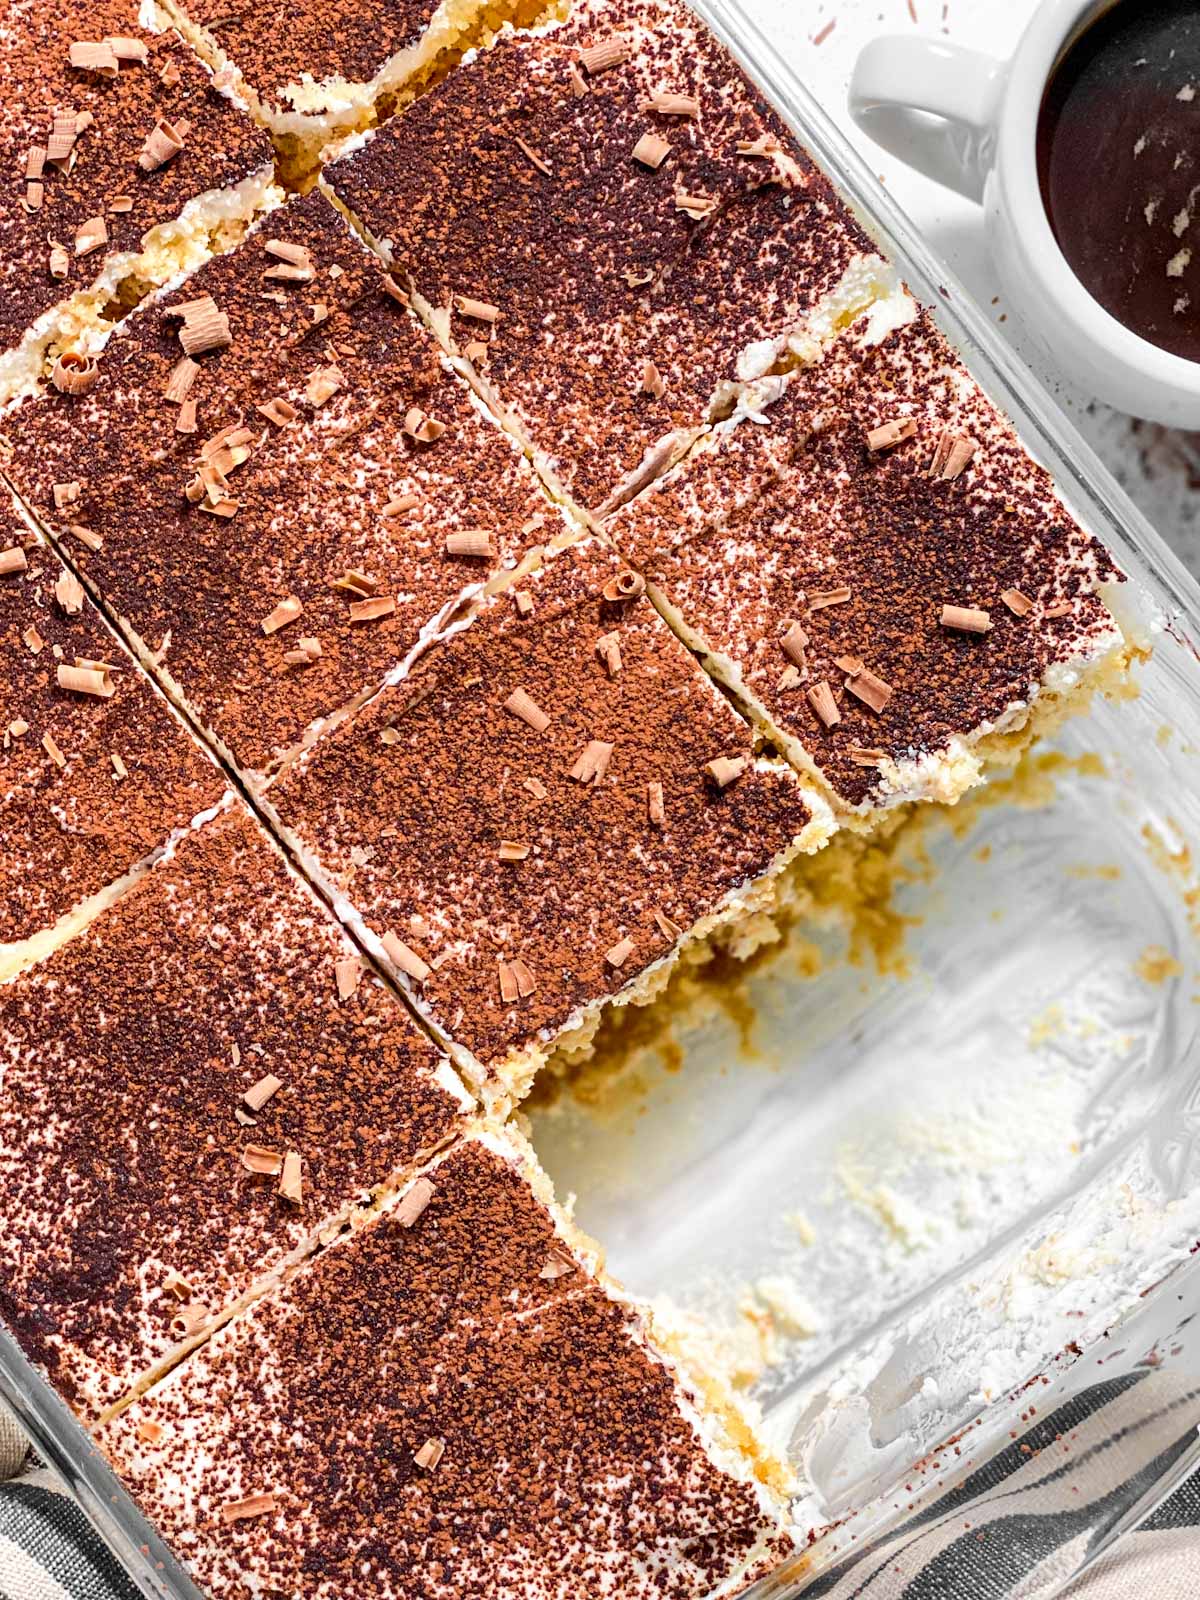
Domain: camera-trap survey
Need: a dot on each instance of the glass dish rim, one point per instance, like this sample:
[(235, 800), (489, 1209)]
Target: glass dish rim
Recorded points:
[(1090, 489)]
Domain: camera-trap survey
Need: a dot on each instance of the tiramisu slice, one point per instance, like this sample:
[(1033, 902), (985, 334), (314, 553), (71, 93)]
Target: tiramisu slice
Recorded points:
[(193, 1088), (126, 164), (547, 809), (608, 226), (881, 571), (282, 484), (330, 68), (96, 771), (448, 1402)]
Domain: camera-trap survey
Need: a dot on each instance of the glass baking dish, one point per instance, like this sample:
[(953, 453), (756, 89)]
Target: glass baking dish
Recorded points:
[(977, 1172)]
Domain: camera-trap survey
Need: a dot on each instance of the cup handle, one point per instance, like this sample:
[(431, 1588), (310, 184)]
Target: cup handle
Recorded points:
[(932, 104)]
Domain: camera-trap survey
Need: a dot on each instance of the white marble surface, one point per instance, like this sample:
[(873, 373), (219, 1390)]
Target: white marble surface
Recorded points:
[(1159, 469)]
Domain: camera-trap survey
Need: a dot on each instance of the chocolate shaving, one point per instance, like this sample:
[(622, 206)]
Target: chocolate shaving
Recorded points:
[(430, 1453), (889, 434), (126, 49), (204, 327), (725, 769), (531, 155), (189, 1319), (68, 591), (966, 619), (372, 610), (668, 104), (74, 373), (828, 597), (608, 648), (522, 705), (282, 615), (281, 412), (620, 953), (607, 53), (399, 504), (405, 958), (13, 559), (872, 690), (556, 1265), (1018, 603), (526, 982), (952, 455), (86, 680), (820, 698), (480, 310), (651, 151), (793, 644), (413, 1202), (592, 761), (347, 973), (163, 143), (653, 382), (93, 57), (696, 206), (263, 1162), (254, 1505), (422, 427), (323, 383), (627, 585), (257, 1095), (291, 1185), (471, 542), (183, 376)]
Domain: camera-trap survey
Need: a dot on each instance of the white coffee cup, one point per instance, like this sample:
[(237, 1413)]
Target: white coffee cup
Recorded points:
[(970, 122)]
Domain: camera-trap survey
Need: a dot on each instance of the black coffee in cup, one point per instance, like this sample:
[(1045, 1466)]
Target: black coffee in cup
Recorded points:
[(1119, 163)]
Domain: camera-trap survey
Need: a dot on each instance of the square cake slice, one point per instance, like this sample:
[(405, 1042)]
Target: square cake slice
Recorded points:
[(278, 517), (96, 770), (326, 69), (551, 804), (448, 1402), (190, 1092), (881, 572), (611, 229), (126, 164)]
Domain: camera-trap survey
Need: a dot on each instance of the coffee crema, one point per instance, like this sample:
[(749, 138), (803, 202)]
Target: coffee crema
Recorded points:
[(1119, 162)]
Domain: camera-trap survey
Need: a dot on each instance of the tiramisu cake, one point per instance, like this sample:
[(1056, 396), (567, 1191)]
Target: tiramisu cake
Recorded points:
[(282, 486), (448, 1403), (536, 819), (96, 773), (605, 223), (126, 163), (558, 523), (879, 571), (192, 1090)]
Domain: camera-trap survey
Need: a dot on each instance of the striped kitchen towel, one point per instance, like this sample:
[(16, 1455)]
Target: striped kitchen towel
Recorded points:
[(48, 1549), (1015, 1530)]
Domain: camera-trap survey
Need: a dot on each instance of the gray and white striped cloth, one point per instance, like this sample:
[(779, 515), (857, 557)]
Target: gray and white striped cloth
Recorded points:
[(1042, 1502)]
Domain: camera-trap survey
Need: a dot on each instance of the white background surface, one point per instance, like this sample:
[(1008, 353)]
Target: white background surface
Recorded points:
[(1160, 470)]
